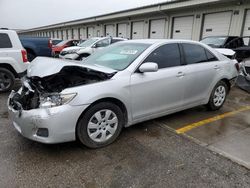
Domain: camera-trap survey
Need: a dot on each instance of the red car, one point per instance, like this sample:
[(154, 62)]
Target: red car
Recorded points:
[(61, 45)]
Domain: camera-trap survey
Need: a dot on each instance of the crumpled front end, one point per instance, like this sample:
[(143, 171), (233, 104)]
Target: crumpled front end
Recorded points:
[(42, 123), (41, 111)]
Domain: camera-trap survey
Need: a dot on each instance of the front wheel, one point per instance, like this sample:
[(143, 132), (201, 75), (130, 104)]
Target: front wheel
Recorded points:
[(100, 125), (218, 96)]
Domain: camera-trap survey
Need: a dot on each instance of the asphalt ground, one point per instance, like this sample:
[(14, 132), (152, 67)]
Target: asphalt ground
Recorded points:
[(145, 155)]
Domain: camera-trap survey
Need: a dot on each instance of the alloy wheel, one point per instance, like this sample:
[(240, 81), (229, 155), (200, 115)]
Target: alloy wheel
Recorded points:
[(219, 95)]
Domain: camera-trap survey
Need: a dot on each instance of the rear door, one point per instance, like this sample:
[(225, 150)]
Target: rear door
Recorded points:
[(157, 92), (201, 72)]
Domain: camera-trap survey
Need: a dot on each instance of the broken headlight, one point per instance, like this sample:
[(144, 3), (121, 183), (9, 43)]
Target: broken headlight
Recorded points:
[(53, 100)]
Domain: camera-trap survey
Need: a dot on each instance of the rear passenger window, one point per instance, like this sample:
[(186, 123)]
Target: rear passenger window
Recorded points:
[(167, 55), (194, 53), (5, 41)]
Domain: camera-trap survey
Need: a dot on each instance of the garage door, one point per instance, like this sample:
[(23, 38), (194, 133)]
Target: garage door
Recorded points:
[(183, 27), (64, 34), (138, 30), (246, 31), (83, 33), (75, 33), (109, 30), (59, 33), (90, 32), (123, 30), (157, 29), (216, 24)]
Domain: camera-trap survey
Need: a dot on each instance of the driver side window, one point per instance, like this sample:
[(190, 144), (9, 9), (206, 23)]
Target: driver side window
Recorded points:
[(165, 56)]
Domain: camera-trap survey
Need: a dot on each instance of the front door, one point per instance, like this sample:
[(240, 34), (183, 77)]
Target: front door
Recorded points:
[(155, 93)]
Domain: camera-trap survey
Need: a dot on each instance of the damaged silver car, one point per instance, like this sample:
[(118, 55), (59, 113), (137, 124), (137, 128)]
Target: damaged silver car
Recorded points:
[(121, 85)]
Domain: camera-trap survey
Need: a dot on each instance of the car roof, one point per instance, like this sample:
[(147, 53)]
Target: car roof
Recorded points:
[(159, 41)]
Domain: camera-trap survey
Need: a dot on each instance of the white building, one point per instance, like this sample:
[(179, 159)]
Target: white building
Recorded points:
[(182, 19)]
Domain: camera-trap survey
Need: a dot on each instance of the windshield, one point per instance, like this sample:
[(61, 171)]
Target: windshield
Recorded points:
[(55, 41), (117, 56), (214, 41), (88, 42)]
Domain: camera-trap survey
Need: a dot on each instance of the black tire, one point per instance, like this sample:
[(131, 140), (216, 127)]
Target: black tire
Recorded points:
[(211, 104), (30, 56), (7, 80), (82, 125)]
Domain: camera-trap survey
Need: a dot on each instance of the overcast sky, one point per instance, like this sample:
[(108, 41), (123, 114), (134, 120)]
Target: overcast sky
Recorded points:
[(25, 14)]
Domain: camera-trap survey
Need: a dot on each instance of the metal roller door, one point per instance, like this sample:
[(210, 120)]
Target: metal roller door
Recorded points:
[(157, 29), (90, 31), (59, 34), (246, 31), (109, 30), (183, 27), (138, 30), (64, 35), (216, 24), (83, 33), (123, 30), (70, 33), (75, 33)]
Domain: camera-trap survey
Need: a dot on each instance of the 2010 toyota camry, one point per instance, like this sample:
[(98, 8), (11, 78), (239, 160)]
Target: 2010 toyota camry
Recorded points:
[(121, 85)]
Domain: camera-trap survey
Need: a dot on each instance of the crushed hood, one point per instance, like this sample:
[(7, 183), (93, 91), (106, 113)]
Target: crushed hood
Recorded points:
[(43, 66)]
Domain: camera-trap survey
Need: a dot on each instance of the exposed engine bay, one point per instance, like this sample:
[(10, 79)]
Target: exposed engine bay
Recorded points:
[(39, 92)]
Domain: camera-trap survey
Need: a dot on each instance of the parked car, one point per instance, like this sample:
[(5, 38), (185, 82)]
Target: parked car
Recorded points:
[(63, 44), (13, 59), (56, 41), (89, 46), (219, 41), (37, 46), (124, 84), (241, 45)]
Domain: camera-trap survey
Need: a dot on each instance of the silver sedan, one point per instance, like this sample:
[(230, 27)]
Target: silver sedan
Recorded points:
[(121, 85)]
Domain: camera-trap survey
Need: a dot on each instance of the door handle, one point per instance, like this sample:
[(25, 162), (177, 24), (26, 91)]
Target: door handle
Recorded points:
[(216, 67), (180, 74)]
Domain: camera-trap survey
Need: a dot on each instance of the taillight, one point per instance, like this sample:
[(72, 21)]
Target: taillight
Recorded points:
[(24, 56), (50, 43)]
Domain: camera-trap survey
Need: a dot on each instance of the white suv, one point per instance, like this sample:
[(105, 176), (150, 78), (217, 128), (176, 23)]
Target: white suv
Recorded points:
[(13, 59), (89, 46)]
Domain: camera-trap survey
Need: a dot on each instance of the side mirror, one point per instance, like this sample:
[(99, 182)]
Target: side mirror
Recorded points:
[(148, 67)]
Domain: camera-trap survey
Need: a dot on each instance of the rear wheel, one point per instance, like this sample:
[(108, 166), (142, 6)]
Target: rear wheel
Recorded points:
[(7, 80), (218, 96), (100, 125)]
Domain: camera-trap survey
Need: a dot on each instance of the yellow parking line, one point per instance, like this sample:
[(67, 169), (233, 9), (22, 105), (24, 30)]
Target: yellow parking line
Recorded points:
[(209, 120)]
